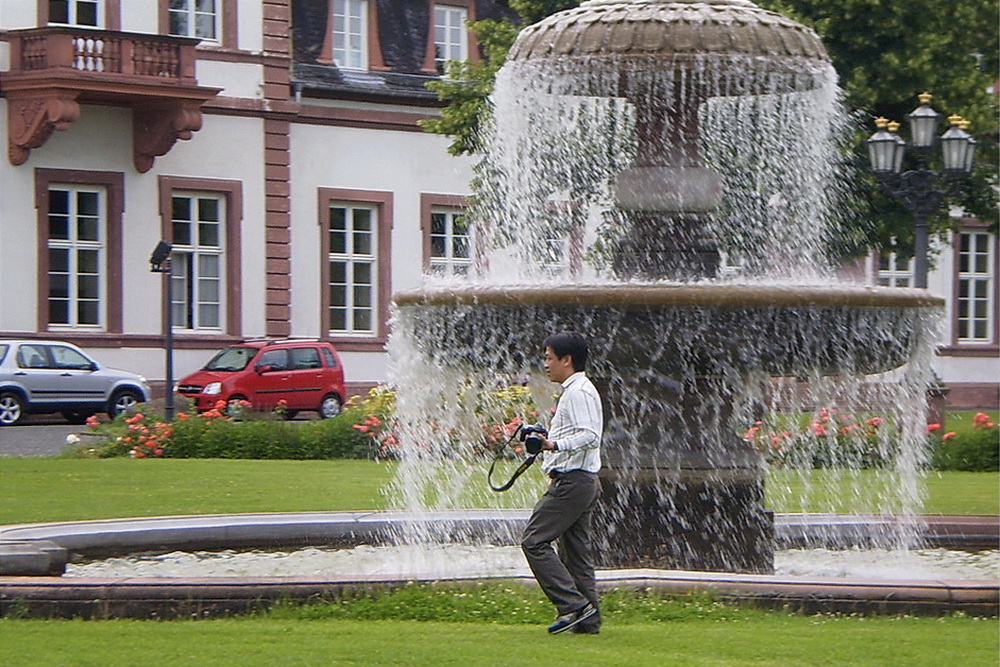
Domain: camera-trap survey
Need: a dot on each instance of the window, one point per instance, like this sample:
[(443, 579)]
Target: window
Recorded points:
[(450, 38), (355, 247), (76, 255), (276, 359), (449, 241), (976, 271), (195, 18), (350, 33), (69, 359), (304, 358), (33, 356), (353, 264), (894, 270), (201, 218), (75, 12), (198, 226)]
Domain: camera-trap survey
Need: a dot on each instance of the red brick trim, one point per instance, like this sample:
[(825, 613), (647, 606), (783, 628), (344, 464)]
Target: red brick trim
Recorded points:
[(383, 202), (277, 222), (114, 182), (233, 192)]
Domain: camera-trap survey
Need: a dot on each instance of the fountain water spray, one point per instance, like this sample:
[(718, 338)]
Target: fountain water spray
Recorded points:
[(640, 185)]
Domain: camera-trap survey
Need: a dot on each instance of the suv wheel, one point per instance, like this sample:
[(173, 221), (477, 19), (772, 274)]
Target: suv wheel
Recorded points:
[(330, 407), (122, 400), (11, 408)]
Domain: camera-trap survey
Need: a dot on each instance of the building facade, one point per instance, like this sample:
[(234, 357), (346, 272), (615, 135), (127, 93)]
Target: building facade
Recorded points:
[(275, 145)]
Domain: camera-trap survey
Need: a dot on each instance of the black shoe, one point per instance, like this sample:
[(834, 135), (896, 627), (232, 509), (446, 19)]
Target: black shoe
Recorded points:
[(570, 620)]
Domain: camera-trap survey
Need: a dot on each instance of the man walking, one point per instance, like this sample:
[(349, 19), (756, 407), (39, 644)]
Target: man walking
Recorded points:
[(571, 459)]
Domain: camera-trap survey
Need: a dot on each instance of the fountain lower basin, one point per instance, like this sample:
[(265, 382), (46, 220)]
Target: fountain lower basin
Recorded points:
[(164, 596)]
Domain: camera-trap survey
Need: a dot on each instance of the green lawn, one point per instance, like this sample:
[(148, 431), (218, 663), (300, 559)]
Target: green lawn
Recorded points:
[(735, 639), (38, 489)]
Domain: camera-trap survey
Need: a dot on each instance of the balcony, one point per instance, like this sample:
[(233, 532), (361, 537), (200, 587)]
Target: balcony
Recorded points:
[(54, 70)]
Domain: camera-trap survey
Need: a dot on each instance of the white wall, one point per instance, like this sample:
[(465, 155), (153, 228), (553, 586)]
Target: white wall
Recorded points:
[(404, 163)]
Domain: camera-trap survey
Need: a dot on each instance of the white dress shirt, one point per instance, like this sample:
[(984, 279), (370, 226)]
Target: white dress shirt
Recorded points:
[(576, 428)]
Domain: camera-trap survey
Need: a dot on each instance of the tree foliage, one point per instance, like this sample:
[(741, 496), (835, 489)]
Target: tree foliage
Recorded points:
[(885, 53)]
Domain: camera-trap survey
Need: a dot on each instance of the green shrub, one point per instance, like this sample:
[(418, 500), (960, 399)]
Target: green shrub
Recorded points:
[(971, 450)]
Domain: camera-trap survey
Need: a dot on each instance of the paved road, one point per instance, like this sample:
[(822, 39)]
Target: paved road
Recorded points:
[(43, 435)]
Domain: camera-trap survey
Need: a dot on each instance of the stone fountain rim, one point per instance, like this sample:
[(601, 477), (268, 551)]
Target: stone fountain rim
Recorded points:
[(636, 295), (162, 597)]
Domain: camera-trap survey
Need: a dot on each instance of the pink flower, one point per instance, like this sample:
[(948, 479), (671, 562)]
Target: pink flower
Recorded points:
[(875, 422), (948, 436), (933, 427)]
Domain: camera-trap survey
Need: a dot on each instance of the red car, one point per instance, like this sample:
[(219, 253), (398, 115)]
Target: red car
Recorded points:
[(305, 374)]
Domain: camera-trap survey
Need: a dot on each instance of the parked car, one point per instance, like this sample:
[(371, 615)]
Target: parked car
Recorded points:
[(46, 376), (305, 374)]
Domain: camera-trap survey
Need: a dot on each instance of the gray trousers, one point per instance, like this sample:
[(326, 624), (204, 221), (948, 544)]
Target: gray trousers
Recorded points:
[(564, 513)]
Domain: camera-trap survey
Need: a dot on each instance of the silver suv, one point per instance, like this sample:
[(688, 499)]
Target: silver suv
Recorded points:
[(42, 376)]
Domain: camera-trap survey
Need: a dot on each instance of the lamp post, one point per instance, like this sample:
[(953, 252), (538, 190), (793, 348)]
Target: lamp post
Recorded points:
[(159, 262), (921, 190)]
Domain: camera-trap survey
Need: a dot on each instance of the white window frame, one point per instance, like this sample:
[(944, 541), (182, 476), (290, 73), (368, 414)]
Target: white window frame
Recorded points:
[(193, 10), (976, 259), (191, 283), (74, 12), (893, 275), (449, 263), (350, 34), (354, 258), (73, 245), (451, 38)]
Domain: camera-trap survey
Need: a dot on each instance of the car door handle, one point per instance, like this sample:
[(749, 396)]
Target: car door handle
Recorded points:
[(20, 373), (66, 375)]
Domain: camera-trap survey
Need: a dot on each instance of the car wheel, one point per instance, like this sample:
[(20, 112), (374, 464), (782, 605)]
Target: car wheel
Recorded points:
[(289, 414), (330, 407), (11, 408), (121, 401), (76, 416)]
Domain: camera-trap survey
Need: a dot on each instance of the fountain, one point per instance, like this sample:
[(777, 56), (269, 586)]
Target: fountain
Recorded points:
[(643, 139), (652, 139)]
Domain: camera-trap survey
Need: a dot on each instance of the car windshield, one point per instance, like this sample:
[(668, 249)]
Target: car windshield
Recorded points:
[(233, 358)]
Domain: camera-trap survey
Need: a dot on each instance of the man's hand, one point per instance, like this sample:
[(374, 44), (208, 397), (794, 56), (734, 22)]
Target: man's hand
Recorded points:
[(548, 446)]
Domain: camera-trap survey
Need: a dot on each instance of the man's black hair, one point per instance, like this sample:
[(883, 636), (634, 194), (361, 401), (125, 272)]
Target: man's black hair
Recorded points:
[(571, 343)]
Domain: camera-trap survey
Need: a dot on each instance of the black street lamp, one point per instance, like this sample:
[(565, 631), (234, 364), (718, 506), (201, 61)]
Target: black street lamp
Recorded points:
[(159, 262), (921, 190)]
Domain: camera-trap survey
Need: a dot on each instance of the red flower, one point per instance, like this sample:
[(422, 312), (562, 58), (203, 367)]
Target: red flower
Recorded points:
[(933, 427), (948, 436)]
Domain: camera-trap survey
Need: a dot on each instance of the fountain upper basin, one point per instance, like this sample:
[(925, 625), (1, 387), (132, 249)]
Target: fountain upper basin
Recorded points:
[(669, 329)]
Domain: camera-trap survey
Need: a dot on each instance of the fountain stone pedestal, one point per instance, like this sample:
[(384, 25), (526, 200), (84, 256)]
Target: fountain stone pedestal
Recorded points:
[(680, 490)]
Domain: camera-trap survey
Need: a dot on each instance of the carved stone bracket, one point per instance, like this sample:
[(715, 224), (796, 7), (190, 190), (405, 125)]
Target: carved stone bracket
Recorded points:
[(33, 118), (155, 129)]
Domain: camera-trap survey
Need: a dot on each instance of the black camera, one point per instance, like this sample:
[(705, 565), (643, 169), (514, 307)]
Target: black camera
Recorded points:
[(533, 438)]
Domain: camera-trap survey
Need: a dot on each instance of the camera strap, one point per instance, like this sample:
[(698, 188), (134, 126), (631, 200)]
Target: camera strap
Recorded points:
[(517, 473)]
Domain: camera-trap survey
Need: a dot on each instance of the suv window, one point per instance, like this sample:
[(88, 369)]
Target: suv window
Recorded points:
[(3, 352), (32, 356), (276, 359), (304, 358), (66, 357), (331, 361), (233, 358)]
